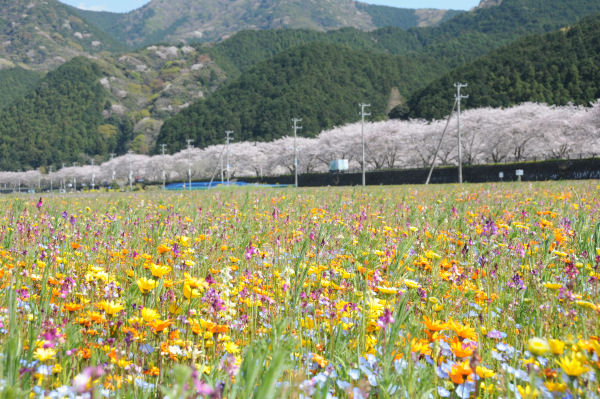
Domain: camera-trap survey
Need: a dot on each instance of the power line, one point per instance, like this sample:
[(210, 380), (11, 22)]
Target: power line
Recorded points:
[(296, 128), (437, 150), (362, 115), (458, 97)]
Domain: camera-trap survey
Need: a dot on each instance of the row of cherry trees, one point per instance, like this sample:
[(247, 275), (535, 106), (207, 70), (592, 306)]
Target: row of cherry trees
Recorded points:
[(528, 131)]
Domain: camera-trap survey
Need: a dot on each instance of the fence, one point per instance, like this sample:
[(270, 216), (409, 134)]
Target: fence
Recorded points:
[(570, 169)]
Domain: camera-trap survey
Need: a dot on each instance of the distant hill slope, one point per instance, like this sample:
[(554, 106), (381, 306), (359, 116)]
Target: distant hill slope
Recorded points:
[(320, 82), (59, 121), (475, 33), (43, 34), (405, 18), (15, 82), (555, 68)]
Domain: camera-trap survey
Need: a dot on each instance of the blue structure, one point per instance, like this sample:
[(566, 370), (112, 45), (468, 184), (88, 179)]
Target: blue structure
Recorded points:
[(214, 184)]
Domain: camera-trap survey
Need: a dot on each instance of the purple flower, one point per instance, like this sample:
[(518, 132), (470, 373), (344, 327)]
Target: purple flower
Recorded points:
[(386, 319), (495, 334)]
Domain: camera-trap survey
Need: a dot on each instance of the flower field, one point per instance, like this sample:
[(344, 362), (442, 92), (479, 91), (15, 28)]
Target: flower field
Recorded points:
[(390, 292)]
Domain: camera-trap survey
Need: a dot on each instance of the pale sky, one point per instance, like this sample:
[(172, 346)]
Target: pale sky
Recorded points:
[(128, 5)]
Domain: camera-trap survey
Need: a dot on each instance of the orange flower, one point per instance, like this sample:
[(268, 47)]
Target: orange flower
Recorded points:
[(320, 360), (72, 307), (153, 371), (434, 325), (459, 371), (163, 249), (421, 346), (461, 349), (160, 325), (463, 331)]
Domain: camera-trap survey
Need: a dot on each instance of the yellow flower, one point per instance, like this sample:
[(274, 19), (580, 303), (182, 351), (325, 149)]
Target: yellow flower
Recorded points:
[(572, 366), (149, 315), (484, 372), (189, 292), (556, 386), (411, 284), (146, 285), (184, 241), (111, 308), (43, 354), (387, 290), (538, 346), (231, 347), (159, 271), (552, 286), (194, 282), (556, 346), (528, 392), (586, 304)]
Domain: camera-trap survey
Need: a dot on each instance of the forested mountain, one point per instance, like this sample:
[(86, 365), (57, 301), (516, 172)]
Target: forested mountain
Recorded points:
[(60, 120), (556, 68), (15, 82), (43, 34), (321, 82), (454, 42), (171, 21)]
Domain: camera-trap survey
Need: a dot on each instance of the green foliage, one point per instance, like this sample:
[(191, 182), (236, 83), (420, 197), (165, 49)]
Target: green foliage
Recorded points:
[(323, 83), (469, 35), (390, 16), (59, 121), (555, 68), (14, 83), (248, 48)]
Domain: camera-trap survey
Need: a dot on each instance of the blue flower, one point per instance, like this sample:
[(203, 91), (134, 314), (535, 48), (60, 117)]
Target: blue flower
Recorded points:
[(443, 392)]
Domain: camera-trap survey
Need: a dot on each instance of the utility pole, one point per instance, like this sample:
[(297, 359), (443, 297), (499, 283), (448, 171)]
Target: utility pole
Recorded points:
[(228, 138), (50, 175), (130, 171), (93, 175), (112, 156), (189, 148), (64, 185), (296, 128), (74, 179), (458, 98), (221, 164), (362, 115), (164, 173)]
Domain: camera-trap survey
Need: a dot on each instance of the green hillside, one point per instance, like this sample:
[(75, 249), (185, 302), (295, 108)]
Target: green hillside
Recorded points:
[(470, 35), (248, 48), (322, 83), (14, 83), (459, 40), (60, 121), (555, 68)]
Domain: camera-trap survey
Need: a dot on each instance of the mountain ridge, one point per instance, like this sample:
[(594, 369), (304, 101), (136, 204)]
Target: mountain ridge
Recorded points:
[(172, 21)]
